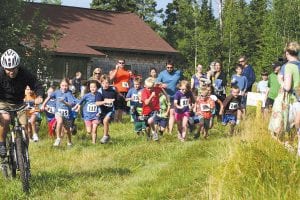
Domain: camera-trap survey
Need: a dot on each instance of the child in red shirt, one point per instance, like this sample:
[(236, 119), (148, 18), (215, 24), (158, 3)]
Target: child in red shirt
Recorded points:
[(150, 100)]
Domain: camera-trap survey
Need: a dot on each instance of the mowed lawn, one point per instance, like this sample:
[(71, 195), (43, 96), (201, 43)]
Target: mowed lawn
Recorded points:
[(249, 165)]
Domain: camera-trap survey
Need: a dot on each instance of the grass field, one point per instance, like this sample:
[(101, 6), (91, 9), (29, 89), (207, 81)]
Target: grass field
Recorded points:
[(249, 165)]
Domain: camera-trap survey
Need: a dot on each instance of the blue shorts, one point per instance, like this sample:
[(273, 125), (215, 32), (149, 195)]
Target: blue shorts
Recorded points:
[(229, 118), (161, 121), (198, 119)]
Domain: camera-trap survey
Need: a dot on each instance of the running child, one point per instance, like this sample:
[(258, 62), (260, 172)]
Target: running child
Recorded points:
[(219, 109), (203, 109), (132, 95), (150, 100), (32, 112), (162, 119), (64, 102), (232, 104), (183, 100), (50, 112), (106, 101), (90, 110), (138, 118), (241, 82), (262, 88)]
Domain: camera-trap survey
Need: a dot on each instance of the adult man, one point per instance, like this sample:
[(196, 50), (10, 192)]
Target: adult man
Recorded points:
[(248, 72), (120, 77), (13, 81), (169, 79)]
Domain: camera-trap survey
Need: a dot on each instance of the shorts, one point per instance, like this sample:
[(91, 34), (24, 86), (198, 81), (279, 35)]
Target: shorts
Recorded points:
[(68, 123), (90, 122), (198, 119), (21, 114), (120, 103), (179, 116), (139, 126), (153, 115), (269, 103), (229, 118), (110, 114), (161, 121)]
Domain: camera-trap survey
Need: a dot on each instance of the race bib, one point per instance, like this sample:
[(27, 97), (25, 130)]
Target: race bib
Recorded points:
[(63, 112), (135, 98), (205, 107), (184, 102), (233, 106), (92, 108), (125, 84), (109, 104), (51, 109)]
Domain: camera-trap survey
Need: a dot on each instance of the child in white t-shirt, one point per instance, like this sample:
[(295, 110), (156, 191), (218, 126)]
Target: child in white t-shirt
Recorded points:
[(262, 87)]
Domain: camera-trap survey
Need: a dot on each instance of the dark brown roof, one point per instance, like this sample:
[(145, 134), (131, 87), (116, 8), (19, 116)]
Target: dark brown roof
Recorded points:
[(83, 30)]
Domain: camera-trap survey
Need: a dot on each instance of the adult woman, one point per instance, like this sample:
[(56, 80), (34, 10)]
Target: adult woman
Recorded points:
[(153, 72), (96, 74), (196, 80), (219, 81), (291, 84)]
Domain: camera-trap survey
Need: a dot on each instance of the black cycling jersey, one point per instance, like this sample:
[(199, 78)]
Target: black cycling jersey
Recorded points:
[(12, 90)]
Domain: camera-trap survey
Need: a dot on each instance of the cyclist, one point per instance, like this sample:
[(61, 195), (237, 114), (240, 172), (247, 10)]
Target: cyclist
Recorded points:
[(13, 81)]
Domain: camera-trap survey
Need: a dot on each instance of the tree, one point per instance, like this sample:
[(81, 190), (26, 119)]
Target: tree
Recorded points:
[(145, 9)]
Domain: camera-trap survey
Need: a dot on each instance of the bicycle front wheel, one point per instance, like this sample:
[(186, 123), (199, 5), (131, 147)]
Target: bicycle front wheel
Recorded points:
[(23, 163)]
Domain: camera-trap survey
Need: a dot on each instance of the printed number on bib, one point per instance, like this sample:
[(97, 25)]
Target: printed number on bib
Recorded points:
[(51, 109), (91, 108), (135, 98), (63, 112), (205, 107), (125, 85), (233, 106), (184, 102)]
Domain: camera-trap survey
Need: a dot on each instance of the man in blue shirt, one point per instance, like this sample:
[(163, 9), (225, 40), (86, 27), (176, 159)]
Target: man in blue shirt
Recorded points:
[(248, 72), (169, 78)]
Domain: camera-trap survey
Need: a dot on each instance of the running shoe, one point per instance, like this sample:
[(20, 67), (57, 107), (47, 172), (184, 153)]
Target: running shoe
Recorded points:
[(57, 142), (105, 139), (35, 137)]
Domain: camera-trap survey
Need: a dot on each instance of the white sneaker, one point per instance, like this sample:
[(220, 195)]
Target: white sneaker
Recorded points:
[(105, 139), (155, 136), (57, 142), (35, 137), (69, 144)]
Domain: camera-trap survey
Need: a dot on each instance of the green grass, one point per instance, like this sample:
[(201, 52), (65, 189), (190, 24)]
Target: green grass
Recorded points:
[(249, 165)]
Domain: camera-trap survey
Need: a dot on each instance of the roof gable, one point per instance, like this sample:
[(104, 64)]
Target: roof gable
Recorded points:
[(81, 29)]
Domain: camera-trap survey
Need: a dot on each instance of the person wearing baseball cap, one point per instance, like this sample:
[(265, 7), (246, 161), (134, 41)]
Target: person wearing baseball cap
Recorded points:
[(273, 85)]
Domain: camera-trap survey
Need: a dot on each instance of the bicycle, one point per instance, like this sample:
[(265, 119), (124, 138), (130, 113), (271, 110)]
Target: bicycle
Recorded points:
[(17, 152)]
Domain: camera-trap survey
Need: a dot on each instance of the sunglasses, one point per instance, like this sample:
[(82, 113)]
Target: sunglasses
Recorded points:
[(122, 63), (97, 73), (241, 61), (11, 70), (170, 67)]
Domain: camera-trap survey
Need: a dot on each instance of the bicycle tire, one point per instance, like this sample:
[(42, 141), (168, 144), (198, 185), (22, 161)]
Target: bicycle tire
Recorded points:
[(23, 164), (12, 160)]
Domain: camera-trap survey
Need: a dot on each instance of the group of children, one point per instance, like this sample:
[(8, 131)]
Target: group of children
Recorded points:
[(149, 109)]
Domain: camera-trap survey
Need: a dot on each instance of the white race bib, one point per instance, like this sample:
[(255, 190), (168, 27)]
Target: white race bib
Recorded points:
[(184, 102), (109, 104), (205, 107), (125, 84), (51, 109), (135, 98), (233, 106), (63, 112), (92, 108)]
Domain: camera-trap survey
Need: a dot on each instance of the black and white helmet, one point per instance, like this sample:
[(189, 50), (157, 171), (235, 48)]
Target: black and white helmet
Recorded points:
[(10, 59)]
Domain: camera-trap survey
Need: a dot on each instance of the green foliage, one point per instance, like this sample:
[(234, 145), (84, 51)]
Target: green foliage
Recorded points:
[(145, 9), (57, 2)]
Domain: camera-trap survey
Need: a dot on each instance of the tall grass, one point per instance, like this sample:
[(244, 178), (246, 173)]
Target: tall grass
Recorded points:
[(249, 165)]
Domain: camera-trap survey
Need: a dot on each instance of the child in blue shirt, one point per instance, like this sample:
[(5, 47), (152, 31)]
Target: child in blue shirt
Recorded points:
[(90, 110), (50, 112), (241, 82), (64, 102), (132, 95)]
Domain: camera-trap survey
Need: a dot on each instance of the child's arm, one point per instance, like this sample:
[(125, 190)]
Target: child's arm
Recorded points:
[(100, 103), (44, 103), (221, 107), (147, 101)]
